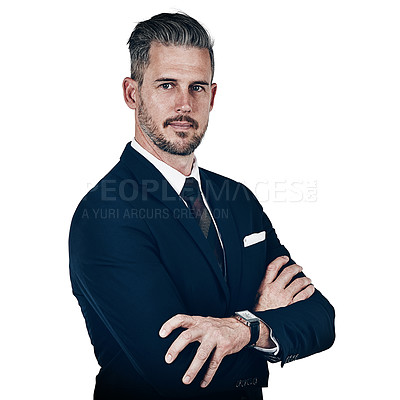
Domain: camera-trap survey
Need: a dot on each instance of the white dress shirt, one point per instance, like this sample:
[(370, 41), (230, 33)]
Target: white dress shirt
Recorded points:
[(177, 180)]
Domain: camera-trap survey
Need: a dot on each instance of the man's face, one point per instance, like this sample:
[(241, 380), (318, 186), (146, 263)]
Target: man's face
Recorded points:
[(176, 97)]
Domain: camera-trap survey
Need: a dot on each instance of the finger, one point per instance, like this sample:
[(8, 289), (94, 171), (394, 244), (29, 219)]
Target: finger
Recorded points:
[(273, 268), (212, 369), (287, 275), (186, 337), (202, 354), (177, 321), (298, 285), (304, 294)]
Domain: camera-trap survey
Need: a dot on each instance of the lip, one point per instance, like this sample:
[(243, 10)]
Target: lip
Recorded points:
[(181, 125)]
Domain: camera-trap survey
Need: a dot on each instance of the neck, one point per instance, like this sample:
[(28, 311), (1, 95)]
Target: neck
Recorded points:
[(183, 164)]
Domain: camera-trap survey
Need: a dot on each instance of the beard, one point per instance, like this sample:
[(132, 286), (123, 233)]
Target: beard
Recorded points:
[(149, 127)]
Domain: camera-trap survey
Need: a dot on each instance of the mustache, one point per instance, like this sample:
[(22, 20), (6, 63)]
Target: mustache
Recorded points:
[(181, 118)]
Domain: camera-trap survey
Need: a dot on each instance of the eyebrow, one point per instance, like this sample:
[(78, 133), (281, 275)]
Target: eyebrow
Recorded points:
[(176, 80)]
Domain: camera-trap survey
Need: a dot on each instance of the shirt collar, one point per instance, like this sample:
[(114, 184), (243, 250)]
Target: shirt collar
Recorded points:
[(175, 178)]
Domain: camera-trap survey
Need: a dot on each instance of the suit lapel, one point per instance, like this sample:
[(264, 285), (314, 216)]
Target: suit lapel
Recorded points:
[(154, 184)]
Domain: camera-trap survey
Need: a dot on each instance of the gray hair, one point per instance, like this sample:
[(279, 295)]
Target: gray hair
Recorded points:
[(168, 29)]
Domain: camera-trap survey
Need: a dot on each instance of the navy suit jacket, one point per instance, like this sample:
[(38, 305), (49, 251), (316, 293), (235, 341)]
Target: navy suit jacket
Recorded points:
[(137, 258)]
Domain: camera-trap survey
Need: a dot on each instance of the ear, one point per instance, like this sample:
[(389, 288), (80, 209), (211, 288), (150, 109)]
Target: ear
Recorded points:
[(130, 88), (213, 92)]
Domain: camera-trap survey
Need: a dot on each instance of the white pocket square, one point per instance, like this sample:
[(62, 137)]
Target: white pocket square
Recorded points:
[(254, 238)]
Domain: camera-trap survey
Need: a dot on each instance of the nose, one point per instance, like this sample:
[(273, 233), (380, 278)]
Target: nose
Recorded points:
[(183, 102)]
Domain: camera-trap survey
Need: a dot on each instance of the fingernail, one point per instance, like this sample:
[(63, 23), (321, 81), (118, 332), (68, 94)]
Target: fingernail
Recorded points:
[(163, 332), (186, 379), (203, 384), (286, 257), (168, 358)]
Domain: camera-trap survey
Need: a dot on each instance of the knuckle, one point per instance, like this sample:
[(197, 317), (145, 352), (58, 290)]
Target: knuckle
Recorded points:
[(187, 335), (202, 354), (304, 281), (213, 365), (180, 317), (225, 342), (303, 296), (207, 347), (214, 334), (223, 347), (295, 269), (207, 324), (287, 271)]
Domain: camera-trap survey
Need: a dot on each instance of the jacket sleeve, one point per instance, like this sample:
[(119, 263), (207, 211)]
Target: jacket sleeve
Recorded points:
[(305, 327), (116, 268)]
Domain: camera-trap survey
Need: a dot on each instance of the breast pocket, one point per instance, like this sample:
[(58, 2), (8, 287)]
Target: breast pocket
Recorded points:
[(254, 238)]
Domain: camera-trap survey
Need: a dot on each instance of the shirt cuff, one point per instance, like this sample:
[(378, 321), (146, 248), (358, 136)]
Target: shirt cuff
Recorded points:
[(271, 354)]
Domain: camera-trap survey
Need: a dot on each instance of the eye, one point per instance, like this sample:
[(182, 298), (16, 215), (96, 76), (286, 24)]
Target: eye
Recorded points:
[(166, 86), (197, 88)]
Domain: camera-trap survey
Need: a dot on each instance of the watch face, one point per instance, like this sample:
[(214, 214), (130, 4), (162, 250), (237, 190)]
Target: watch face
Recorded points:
[(248, 316)]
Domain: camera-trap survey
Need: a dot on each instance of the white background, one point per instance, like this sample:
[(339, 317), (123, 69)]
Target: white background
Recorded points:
[(308, 97)]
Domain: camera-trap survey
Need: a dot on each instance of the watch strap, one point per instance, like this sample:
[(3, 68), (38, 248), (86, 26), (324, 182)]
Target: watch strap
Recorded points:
[(253, 322), (254, 333)]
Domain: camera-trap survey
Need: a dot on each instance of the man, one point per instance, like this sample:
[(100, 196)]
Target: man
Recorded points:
[(163, 254)]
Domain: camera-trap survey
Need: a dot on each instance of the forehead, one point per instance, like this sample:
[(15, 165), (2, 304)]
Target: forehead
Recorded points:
[(178, 62)]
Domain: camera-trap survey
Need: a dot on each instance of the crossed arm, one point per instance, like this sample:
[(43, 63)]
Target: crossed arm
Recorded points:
[(220, 337), (105, 266)]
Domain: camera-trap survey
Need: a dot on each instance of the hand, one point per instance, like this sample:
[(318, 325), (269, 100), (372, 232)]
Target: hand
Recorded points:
[(225, 335), (275, 291)]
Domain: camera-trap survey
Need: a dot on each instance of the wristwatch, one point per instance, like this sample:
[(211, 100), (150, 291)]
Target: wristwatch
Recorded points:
[(250, 320)]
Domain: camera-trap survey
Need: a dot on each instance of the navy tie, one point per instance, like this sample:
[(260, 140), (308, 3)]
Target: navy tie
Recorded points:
[(192, 196)]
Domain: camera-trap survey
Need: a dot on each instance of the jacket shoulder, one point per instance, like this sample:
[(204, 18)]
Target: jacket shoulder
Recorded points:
[(229, 188), (107, 201)]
